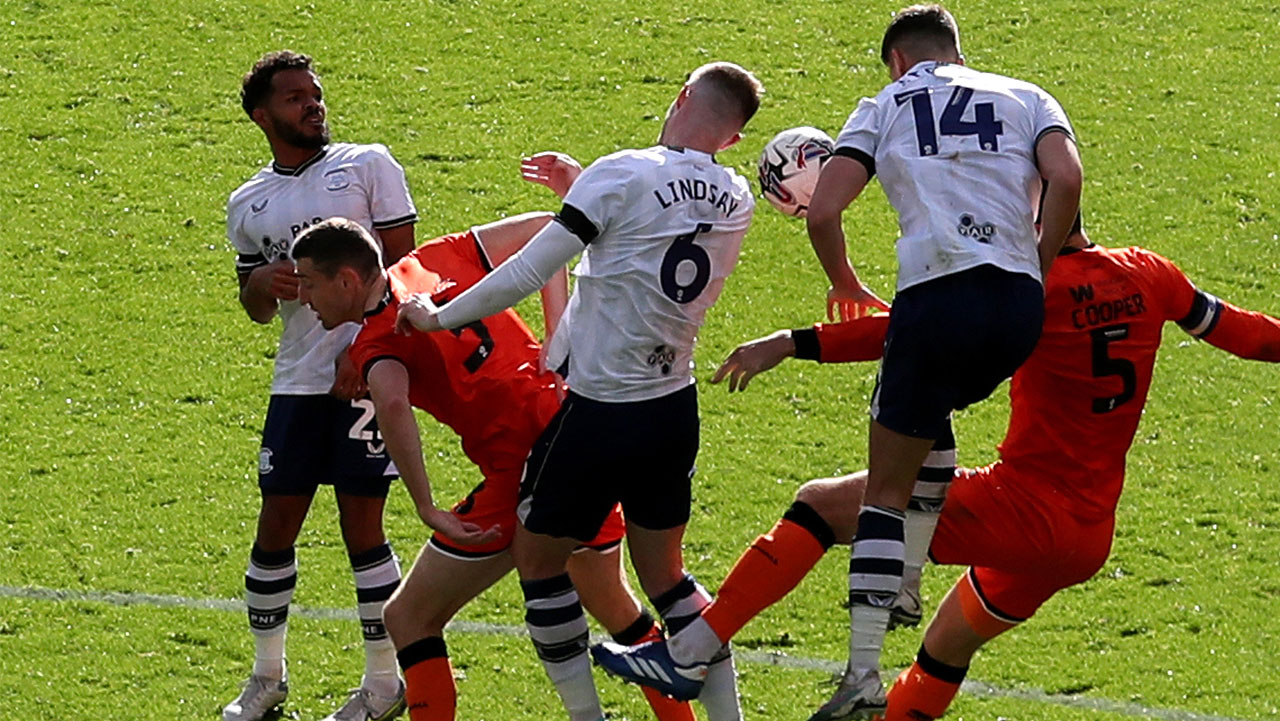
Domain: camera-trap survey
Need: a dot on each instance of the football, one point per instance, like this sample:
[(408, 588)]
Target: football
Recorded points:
[(789, 168)]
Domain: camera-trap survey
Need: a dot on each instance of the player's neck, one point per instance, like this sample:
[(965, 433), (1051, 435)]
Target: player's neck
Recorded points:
[(292, 156), (377, 296)]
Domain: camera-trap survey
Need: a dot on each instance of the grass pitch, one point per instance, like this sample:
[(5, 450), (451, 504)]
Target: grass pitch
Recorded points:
[(132, 386)]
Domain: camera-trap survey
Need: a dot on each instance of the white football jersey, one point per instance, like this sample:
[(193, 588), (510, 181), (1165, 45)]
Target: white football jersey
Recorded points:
[(954, 149), (662, 227), (266, 214)]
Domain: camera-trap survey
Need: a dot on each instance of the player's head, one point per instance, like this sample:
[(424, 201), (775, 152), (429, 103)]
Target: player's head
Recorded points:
[(283, 96), (338, 262), (713, 106), (919, 33)]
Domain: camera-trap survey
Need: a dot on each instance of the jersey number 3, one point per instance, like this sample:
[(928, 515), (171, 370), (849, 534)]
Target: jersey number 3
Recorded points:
[(984, 123), (684, 251)]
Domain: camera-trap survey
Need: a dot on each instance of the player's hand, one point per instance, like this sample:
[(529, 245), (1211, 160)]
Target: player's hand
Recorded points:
[(277, 280), (853, 303), (754, 357), (348, 384), (554, 170), (417, 312), (458, 531)]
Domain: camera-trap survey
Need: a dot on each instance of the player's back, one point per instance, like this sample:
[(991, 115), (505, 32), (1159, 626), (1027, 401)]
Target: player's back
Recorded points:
[(482, 379), (954, 149), (671, 223), (1078, 399)]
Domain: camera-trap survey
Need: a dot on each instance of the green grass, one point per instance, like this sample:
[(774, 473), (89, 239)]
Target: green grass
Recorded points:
[(132, 386)]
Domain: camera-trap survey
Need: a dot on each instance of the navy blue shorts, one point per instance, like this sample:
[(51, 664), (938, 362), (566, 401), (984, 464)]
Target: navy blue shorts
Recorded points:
[(951, 341), (314, 440), (593, 455)]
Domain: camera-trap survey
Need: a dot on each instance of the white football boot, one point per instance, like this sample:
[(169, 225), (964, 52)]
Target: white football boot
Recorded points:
[(860, 697), (365, 705), (259, 695)]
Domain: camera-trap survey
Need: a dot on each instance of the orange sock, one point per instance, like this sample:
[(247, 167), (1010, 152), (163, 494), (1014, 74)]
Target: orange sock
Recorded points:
[(920, 695), (767, 571), (428, 678)]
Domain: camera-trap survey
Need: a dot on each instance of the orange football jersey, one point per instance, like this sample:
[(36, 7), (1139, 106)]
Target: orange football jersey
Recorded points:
[(481, 380)]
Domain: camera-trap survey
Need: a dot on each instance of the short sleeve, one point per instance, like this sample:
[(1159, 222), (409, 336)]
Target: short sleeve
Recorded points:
[(249, 252), (860, 136), (598, 197), (1050, 117), (1177, 296), (377, 340), (391, 206)]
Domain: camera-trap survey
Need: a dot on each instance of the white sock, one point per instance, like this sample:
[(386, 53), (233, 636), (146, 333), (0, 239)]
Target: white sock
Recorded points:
[(695, 643), (867, 627), (268, 654), (377, 574), (720, 691), (269, 582)]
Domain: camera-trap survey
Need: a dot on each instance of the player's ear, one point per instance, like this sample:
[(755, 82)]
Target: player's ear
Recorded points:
[(683, 96), (259, 116), (732, 141)]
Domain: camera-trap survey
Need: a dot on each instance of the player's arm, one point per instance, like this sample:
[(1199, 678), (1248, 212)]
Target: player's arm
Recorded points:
[(1059, 163), (397, 242), (388, 381), (262, 289), (852, 341), (842, 179), (521, 274), (1244, 333), (504, 238)]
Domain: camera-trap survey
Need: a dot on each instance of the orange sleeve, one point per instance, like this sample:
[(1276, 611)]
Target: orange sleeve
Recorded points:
[(1244, 333), (848, 342)]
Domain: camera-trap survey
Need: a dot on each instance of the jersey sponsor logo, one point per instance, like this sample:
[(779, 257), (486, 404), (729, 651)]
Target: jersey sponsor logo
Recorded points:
[(259, 207), (972, 229), (264, 461), (1107, 311), (662, 357), (297, 228), (274, 250), (1081, 293), (685, 189), (337, 179)]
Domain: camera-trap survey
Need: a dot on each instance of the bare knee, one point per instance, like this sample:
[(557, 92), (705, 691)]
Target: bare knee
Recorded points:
[(407, 620), (837, 501)]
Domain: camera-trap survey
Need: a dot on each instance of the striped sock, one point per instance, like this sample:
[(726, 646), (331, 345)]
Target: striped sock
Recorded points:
[(430, 692), (875, 575), (377, 573), (558, 629), (268, 585), (681, 609), (925, 506)]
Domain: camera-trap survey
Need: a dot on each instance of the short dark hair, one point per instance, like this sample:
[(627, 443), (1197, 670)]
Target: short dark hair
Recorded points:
[(922, 28), (256, 85), (339, 243), (736, 83)]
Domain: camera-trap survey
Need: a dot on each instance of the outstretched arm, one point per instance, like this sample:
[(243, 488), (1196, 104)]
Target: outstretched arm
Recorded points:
[(849, 342), (1245, 333)]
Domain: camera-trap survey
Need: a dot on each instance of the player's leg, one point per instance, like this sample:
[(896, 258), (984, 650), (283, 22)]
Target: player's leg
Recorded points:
[(287, 484), (602, 585), (554, 617), (932, 482), (438, 584)]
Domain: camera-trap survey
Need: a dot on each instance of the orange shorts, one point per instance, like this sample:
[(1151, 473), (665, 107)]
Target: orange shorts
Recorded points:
[(1021, 540), (493, 502)]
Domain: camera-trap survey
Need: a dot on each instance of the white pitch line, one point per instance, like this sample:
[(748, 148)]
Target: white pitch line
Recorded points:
[(971, 687)]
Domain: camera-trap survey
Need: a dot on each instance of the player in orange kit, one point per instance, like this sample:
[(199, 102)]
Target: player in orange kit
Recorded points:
[(1038, 520), (484, 381)]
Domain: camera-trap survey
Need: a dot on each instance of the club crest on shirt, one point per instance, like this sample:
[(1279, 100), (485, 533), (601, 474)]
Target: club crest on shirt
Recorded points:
[(264, 461), (337, 179)]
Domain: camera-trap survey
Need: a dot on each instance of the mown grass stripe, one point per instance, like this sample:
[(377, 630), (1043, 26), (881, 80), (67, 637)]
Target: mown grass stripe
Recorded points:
[(971, 687)]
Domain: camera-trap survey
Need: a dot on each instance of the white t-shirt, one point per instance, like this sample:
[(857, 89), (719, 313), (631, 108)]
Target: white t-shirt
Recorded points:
[(662, 227), (266, 214), (954, 149)]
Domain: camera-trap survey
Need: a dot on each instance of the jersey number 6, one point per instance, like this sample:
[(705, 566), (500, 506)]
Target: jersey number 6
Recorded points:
[(684, 249)]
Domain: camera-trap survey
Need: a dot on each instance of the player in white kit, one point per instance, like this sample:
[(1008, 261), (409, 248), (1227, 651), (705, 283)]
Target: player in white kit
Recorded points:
[(320, 425), (659, 230), (961, 155)]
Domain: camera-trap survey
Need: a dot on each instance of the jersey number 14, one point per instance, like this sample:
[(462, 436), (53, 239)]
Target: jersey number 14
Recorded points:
[(984, 123)]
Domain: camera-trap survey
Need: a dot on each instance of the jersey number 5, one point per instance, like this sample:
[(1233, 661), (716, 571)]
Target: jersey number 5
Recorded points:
[(1104, 365), (683, 250), (984, 123)]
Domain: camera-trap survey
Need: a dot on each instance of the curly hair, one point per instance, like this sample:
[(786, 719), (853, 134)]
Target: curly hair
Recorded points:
[(256, 85)]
